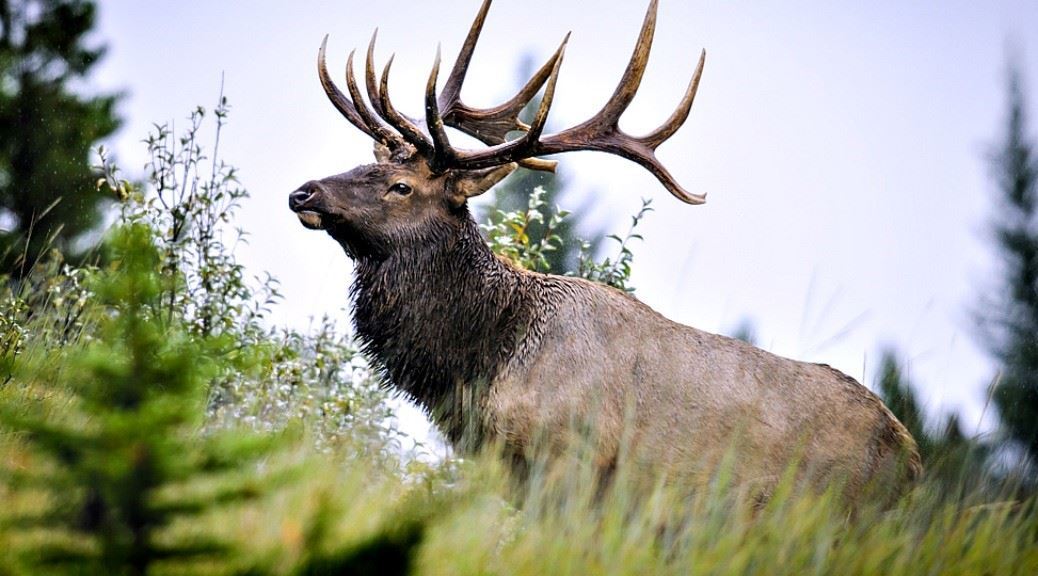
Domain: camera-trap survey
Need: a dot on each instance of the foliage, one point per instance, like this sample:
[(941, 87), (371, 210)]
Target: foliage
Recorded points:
[(107, 375), (510, 196), (565, 526), (1010, 315), (44, 311), (120, 429), (191, 202), (320, 380), (509, 233), (614, 272), (391, 551), (46, 131), (315, 378)]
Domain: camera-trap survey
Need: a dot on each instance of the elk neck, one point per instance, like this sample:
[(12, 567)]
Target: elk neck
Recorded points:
[(441, 317)]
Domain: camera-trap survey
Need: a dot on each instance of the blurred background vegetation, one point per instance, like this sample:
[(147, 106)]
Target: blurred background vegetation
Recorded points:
[(152, 420), (47, 130)]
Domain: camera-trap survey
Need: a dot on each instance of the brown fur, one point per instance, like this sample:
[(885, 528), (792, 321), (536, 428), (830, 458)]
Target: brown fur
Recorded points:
[(537, 362)]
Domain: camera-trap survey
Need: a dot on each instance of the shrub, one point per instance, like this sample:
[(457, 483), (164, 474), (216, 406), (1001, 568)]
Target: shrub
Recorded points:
[(122, 453)]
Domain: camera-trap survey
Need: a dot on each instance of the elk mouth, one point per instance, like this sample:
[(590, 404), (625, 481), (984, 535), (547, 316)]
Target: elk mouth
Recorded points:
[(302, 203), (310, 219)]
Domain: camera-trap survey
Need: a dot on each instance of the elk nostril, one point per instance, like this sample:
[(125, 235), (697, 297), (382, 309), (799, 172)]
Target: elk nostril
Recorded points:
[(299, 197)]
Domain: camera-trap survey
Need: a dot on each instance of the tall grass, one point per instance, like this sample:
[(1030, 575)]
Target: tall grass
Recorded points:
[(474, 521)]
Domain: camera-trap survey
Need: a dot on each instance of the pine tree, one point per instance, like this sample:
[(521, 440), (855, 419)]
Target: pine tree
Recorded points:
[(1009, 317), (117, 426), (47, 193)]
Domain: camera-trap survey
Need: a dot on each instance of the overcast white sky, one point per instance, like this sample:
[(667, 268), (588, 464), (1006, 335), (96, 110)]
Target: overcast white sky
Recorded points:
[(842, 145)]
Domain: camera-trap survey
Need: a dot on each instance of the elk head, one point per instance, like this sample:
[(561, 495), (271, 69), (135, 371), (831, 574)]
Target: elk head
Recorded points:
[(420, 179)]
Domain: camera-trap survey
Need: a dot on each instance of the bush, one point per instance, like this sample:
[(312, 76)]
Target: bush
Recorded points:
[(121, 454)]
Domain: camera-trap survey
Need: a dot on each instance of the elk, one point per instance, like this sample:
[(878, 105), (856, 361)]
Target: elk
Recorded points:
[(497, 353)]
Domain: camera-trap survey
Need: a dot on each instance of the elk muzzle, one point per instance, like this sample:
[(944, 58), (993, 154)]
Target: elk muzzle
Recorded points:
[(301, 202)]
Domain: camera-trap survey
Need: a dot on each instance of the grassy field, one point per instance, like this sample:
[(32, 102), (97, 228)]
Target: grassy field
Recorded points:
[(346, 514)]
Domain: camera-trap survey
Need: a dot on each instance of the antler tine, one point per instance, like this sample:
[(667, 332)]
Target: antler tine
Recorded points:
[(602, 132), (632, 78), (519, 150), (375, 125), (525, 146), (643, 150), (378, 95), (339, 100), (606, 121), (369, 76), (666, 130), (489, 125), (444, 155), (407, 128), (452, 89), (661, 134)]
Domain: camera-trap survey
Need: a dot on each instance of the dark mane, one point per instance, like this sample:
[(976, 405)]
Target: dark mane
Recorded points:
[(418, 321)]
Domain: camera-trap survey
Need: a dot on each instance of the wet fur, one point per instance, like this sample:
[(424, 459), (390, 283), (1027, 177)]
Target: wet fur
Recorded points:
[(541, 364), (447, 338)]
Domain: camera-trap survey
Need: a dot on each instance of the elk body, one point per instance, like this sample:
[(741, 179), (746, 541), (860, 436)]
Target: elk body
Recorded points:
[(496, 353)]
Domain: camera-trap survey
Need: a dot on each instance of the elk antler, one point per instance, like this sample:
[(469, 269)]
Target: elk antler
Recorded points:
[(491, 125), (342, 103), (601, 132), (446, 156)]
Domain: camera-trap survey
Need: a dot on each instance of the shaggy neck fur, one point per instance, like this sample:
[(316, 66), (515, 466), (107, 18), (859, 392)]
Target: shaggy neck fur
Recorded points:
[(441, 318)]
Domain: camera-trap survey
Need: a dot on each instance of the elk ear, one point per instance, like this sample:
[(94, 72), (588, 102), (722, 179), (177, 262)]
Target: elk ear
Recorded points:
[(464, 184), (382, 153)]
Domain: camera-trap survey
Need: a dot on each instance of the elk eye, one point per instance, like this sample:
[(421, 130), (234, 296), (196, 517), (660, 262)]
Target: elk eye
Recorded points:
[(400, 188)]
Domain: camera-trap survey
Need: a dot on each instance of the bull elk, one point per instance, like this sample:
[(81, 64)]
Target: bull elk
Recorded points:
[(496, 353)]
